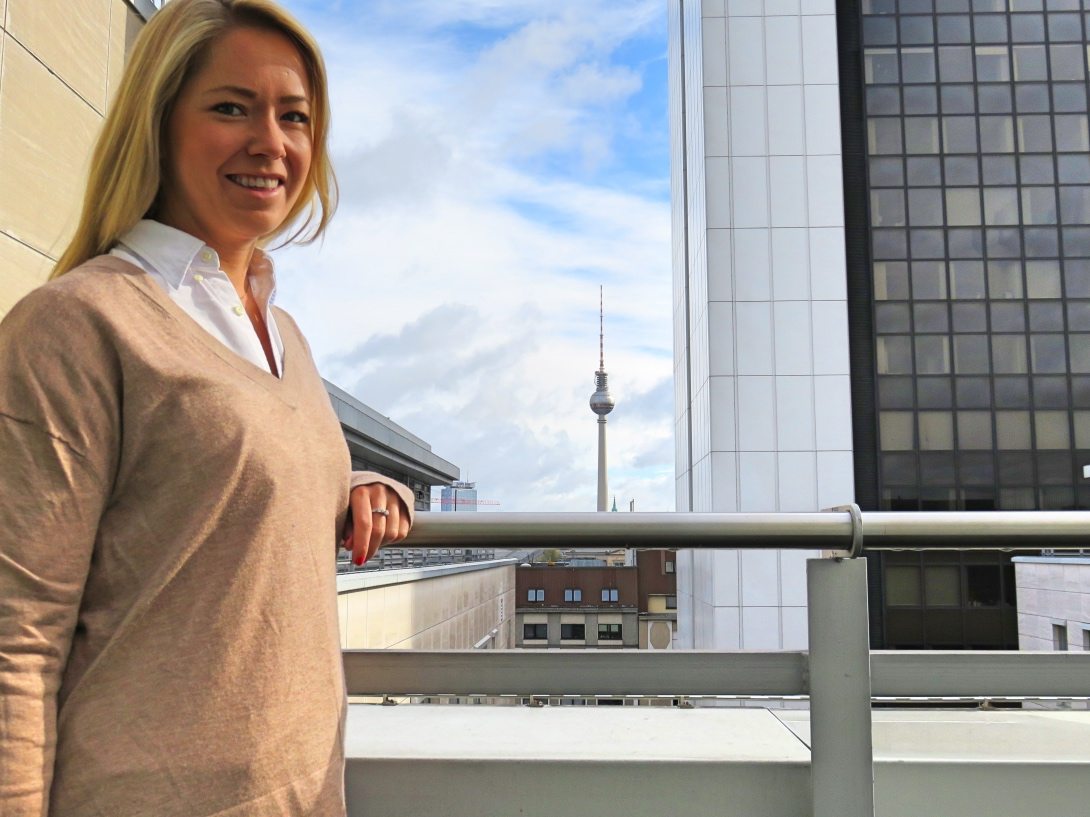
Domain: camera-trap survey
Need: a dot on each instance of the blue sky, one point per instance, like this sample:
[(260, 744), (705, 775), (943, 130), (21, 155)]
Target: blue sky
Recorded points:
[(499, 159)]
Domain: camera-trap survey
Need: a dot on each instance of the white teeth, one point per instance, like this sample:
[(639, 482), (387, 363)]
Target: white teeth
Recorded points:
[(256, 181)]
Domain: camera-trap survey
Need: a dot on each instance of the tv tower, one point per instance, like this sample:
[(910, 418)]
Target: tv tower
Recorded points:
[(601, 404)]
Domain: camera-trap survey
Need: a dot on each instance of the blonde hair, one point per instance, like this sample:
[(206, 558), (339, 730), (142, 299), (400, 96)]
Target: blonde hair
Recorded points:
[(126, 172)]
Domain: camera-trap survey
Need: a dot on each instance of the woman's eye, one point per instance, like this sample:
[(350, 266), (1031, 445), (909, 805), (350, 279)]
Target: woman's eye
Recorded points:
[(298, 117), (228, 108)]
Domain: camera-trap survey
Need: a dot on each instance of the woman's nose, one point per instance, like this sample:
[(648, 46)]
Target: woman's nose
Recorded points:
[(267, 137)]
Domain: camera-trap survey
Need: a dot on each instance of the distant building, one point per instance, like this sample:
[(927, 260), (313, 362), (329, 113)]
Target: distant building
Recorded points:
[(589, 557), (1053, 602), (656, 587), (560, 606), (459, 496), (599, 606), (376, 443)]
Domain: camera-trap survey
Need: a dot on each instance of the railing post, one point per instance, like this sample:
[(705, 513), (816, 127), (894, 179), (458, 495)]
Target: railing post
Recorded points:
[(841, 757)]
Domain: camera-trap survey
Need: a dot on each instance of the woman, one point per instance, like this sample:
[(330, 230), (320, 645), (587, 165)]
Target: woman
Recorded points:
[(174, 480)]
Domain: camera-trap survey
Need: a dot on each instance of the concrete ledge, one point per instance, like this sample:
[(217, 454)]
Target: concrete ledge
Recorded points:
[(455, 761), (449, 761), (368, 579)]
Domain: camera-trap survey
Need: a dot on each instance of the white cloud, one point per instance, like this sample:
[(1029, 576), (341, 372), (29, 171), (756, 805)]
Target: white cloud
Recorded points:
[(456, 290)]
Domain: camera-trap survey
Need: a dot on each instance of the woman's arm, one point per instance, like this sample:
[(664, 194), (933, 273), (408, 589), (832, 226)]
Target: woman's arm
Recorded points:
[(58, 432)]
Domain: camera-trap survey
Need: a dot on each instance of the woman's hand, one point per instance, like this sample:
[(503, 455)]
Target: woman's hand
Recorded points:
[(367, 528)]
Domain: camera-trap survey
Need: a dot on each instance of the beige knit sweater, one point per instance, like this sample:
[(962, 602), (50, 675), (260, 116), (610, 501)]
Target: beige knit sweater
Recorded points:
[(169, 514)]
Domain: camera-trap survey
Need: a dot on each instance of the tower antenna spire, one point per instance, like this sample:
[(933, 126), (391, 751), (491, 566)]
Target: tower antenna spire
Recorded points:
[(601, 332)]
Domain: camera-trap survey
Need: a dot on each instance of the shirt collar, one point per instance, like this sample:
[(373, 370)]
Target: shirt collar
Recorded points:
[(173, 253)]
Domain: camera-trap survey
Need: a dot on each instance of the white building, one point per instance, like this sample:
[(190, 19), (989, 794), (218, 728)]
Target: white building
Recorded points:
[(763, 407), (1053, 602)]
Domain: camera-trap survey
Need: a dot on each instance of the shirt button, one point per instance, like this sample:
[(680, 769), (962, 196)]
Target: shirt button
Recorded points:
[(206, 255), (198, 277), (237, 310)]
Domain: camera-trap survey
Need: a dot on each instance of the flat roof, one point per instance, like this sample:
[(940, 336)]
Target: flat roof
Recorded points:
[(378, 439), (368, 579), (703, 734)]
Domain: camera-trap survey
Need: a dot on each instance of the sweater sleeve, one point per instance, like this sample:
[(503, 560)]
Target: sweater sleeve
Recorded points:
[(58, 448), (370, 477)]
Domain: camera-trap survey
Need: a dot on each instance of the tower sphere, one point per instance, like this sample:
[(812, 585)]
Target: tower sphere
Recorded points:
[(601, 403)]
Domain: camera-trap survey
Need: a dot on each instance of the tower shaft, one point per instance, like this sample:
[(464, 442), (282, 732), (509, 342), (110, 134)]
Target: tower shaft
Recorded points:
[(603, 482)]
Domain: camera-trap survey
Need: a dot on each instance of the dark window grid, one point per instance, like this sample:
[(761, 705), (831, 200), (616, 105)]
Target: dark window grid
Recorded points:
[(916, 451), (898, 41), (1020, 185), (918, 561), (1021, 226), (1062, 265), (1006, 587)]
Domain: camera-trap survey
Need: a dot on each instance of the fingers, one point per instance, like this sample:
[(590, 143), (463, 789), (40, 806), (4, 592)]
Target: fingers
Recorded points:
[(370, 530), (393, 521), (378, 530), (360, 502)]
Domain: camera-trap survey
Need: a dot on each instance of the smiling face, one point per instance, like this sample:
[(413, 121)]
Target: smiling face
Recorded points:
[(239, 141)]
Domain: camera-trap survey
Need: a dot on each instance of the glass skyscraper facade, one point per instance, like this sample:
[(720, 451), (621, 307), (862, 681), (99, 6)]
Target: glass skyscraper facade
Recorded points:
[(971, 135), (978, 167)]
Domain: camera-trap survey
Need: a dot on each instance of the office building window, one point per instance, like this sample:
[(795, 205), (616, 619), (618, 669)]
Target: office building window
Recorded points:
[(1059, 637), (573, 594), (669, 566), (671, 602), (609, 594), (535, 594), (609, 632), (535, 632), (573, 632)]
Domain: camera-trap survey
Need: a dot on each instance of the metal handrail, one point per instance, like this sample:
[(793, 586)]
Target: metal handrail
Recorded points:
[(823, 530)]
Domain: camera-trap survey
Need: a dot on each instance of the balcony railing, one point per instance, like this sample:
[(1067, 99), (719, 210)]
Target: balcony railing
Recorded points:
[(839, 674)]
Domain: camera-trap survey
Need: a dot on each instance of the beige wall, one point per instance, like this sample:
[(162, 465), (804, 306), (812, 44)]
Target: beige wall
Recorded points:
[(60, 61), (447, 612)]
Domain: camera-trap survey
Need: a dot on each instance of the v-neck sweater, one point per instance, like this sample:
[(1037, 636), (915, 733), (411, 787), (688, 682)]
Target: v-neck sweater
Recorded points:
[(169, 642)]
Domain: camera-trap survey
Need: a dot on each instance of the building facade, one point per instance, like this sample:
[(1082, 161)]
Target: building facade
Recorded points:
[(925, 342), (60, 62), (762, 364), (574, 607), (1053, 602), (589, 603), (458, 496), (656, 588)]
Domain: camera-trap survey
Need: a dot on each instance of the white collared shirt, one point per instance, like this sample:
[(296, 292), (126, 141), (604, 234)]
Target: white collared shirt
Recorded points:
[(189, 271)]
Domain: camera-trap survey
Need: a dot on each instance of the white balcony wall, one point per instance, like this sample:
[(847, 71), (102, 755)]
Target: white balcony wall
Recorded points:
[(448, 607), (764, 415)]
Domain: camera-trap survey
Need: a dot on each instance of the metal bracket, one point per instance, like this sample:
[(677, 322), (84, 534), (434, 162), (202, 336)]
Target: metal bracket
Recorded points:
[(856, 548)]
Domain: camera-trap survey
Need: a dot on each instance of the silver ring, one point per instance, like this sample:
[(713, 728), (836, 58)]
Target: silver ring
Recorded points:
[(381, 511)]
